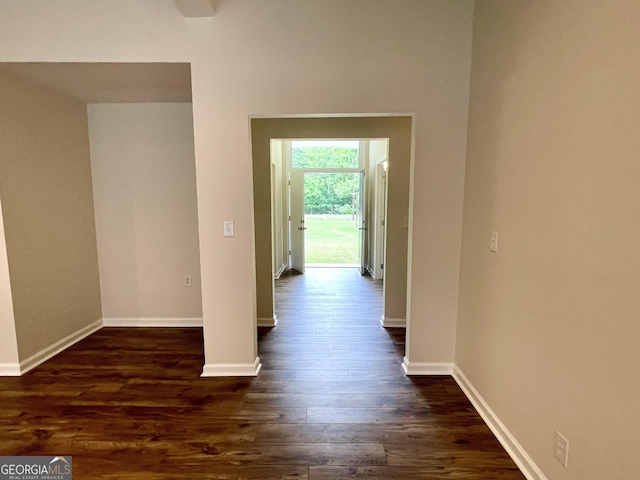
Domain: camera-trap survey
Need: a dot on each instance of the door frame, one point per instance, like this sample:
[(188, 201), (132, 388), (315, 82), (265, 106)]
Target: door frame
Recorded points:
[(399, 129), (380, 216), (296, 246), (363, 237)]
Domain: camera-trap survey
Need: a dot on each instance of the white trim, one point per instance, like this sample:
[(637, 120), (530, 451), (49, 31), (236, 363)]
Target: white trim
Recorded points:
[(52, 350), (153, 322), (9, 369), (282, 269), (332, 115), (427, 368), (393, 322), (232, 369), (517, 453), (380, 214), (371, 272), (268, 321)]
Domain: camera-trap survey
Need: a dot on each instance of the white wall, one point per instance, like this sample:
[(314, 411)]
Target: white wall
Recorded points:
[(146, 214), (282, 57), (548, 329)]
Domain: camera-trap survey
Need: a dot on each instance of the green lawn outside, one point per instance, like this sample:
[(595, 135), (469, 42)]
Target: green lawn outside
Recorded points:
[(331, 239)]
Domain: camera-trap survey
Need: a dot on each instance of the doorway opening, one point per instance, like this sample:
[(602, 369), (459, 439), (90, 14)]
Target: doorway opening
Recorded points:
[(385, 237), (331, 214), (329, 208)]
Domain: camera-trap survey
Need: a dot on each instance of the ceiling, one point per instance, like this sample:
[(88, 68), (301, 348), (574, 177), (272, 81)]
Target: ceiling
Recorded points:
[(111, 82), (196, 8)]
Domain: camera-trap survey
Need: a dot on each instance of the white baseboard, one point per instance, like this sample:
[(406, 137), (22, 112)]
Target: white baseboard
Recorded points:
[(9, 369), (393, 322), (427, 368), (152, 322), (52, 350), (232, 369), (268, 322), (280, 270), (517, 453)]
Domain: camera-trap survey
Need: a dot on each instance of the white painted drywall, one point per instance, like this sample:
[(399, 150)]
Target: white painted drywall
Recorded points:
[(548, 329), (281, 57), (47, 207), (146, 214)]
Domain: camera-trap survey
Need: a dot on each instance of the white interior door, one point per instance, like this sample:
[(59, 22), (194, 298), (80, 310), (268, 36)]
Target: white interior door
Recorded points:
[(362, 224), (296, 225), (380, 220)]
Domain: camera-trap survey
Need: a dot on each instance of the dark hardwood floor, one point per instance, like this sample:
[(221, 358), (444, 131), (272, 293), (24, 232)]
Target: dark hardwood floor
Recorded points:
[(331, 402)]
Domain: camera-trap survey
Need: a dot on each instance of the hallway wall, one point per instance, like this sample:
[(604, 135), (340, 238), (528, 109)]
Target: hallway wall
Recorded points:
[(47, 208), (279, 212), (548, 327)]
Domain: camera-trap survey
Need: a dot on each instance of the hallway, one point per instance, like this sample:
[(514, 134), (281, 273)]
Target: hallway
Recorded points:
[(329, 328), (331, 402), (335, 359)]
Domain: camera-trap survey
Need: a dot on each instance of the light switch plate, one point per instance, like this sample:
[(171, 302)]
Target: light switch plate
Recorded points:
[(561, 449), (228, 229), (493, 246)]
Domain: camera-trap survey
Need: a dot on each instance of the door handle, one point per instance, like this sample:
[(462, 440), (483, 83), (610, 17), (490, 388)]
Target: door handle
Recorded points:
[(302, 228)]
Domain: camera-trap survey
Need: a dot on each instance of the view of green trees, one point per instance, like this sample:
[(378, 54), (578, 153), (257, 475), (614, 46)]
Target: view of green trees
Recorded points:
[(328, 193)]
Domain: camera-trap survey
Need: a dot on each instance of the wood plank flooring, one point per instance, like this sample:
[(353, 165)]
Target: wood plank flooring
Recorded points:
[(330, 403)]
